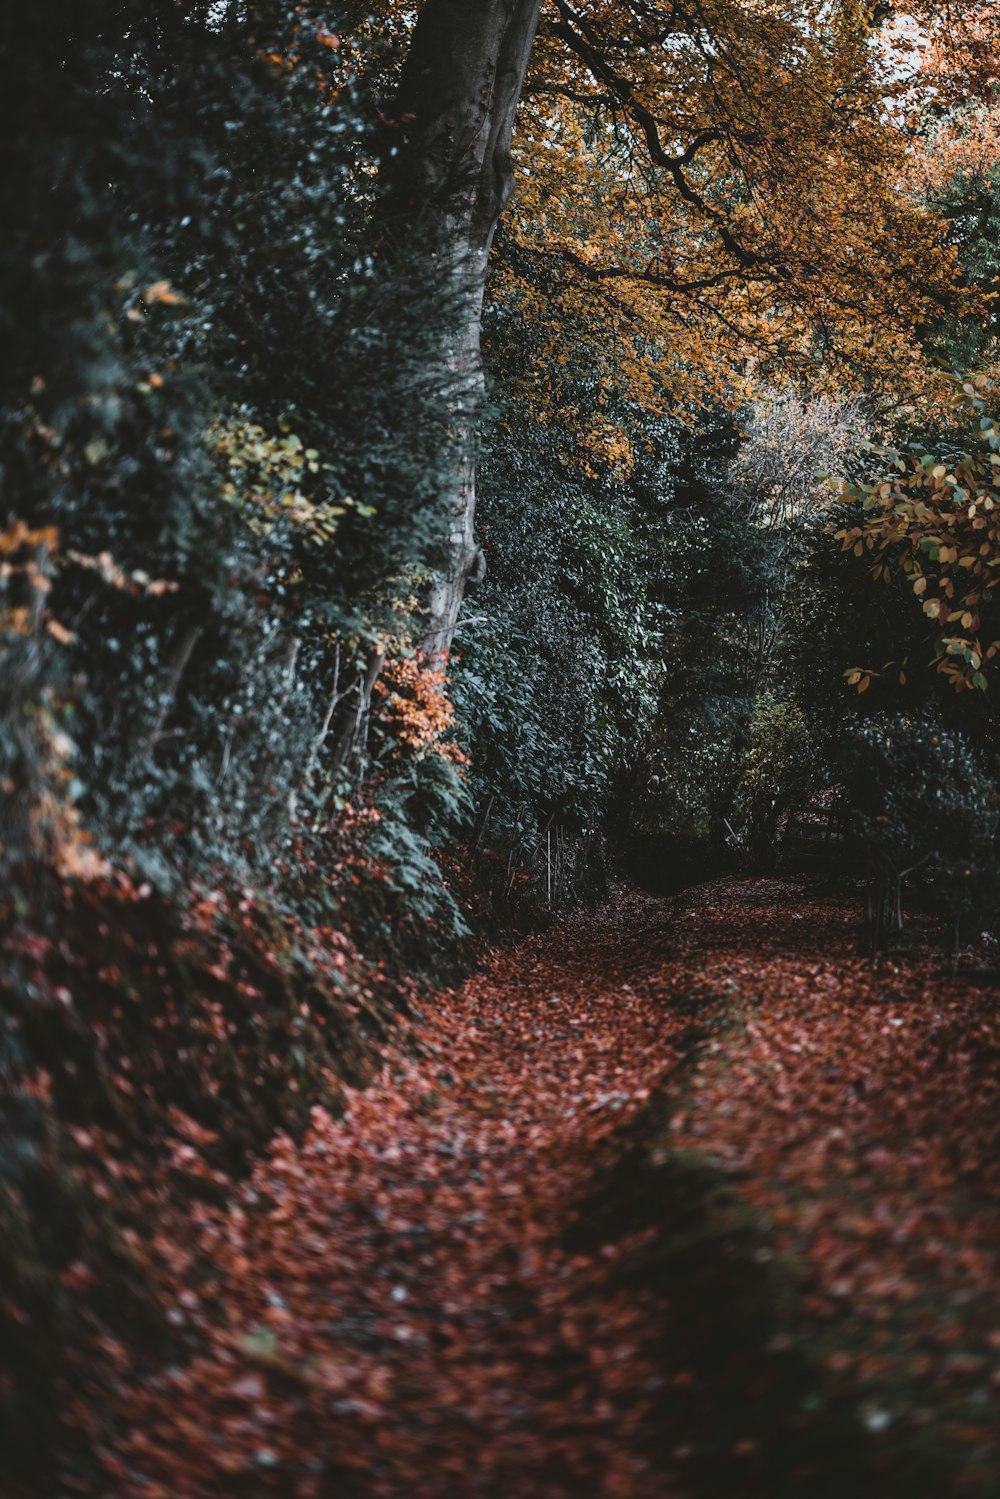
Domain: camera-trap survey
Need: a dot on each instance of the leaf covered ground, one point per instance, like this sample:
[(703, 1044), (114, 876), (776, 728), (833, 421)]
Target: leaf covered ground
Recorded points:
[(681, 1198)]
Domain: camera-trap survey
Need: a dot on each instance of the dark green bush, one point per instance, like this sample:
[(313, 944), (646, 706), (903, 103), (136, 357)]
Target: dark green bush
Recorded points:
[(922, 802)]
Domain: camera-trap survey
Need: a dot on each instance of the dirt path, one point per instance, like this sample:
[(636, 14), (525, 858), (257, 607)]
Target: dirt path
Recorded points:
[(491, 1276)]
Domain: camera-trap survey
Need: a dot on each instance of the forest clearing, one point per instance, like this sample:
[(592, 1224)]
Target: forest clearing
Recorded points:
[(499, 749)]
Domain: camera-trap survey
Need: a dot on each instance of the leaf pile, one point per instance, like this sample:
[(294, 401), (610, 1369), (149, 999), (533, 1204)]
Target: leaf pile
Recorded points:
[(148, 1051), (860, 1107), (419, 1300)]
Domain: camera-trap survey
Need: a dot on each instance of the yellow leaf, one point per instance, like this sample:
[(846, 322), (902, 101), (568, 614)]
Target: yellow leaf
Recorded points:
[(59, 632), (161, 291)]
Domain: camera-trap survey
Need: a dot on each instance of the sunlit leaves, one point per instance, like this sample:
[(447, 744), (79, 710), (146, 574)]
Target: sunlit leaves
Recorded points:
[(763, 234), (416, 710), (933, 519), (274, 481)]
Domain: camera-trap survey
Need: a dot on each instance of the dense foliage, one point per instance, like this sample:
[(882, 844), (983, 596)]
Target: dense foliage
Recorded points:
[(224, 449), (560, 653)]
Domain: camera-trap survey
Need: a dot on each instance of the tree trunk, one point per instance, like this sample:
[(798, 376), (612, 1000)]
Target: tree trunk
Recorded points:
[(449, 178)]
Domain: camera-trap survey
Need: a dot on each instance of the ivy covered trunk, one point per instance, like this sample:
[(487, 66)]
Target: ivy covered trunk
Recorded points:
[(450, 177)]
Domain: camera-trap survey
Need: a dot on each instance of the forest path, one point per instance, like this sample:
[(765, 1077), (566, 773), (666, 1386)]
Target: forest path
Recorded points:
[(467, 1284)]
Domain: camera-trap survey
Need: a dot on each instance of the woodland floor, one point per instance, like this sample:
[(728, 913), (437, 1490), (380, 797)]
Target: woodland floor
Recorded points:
[(679, 1199)]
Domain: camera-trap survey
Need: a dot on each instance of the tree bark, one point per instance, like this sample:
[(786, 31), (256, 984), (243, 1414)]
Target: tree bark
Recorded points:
[(449, 179)]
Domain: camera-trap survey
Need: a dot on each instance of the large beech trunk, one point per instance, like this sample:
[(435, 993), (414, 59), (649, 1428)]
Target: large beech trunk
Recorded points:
[(449, 180)]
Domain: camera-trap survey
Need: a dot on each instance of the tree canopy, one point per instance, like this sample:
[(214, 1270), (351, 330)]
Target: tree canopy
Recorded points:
[(727, 189)]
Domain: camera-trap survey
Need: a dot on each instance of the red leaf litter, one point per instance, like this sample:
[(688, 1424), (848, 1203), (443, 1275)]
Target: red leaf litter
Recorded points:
[(397, 1306)]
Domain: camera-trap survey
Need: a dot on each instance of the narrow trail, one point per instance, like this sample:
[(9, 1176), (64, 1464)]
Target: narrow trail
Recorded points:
[(414, 1302)]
